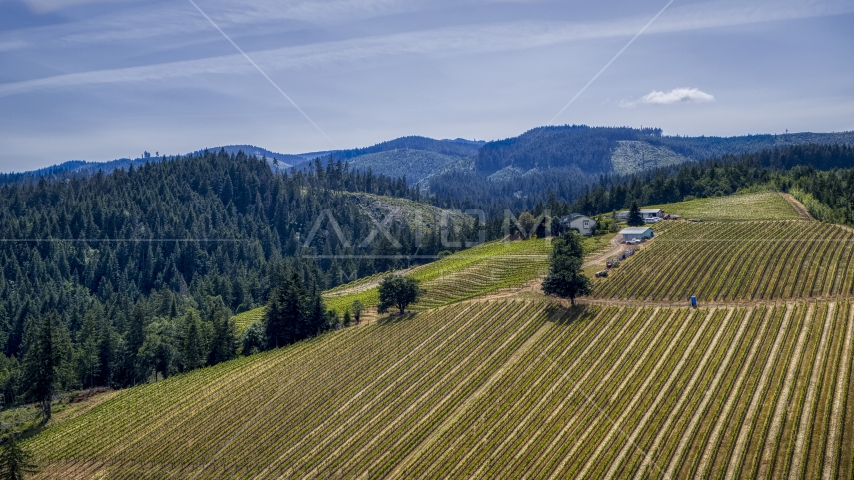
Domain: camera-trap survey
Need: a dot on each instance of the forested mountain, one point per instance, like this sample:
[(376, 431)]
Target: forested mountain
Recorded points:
[(165, 251), (282, 160), (277, 161), (823, 172), (701, 148), (454, 148), (415, 165), (587, 148)]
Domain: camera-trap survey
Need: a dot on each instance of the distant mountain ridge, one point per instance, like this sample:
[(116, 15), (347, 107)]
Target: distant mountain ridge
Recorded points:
[(587, 150)]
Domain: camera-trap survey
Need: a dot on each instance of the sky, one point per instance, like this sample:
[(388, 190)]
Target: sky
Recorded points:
[(98, 80)]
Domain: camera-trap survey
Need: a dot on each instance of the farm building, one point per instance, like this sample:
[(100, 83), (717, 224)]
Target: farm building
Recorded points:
[(636, 233), (652, 212), (583, 224)]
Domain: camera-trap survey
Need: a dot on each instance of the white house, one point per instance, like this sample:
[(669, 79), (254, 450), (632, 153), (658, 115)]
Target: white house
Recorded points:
[(636, 233), (652, 212), (583, 224)]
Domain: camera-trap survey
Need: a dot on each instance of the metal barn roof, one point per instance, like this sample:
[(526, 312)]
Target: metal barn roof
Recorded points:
[(634, 230)]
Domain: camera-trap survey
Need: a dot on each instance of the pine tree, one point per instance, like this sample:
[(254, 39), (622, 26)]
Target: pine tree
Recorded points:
[(15, 461), (41, 365), (275, 321), (224, 342), (192, 351), (134, 339), (106, 353), (635, 217), (565, 278), (87, 353)]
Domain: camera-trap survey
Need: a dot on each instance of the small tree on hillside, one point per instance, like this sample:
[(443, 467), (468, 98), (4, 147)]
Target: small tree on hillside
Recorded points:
[(357, 308), (635, 217), (15, 461), (527, 222), (398, 291), (565, 278)]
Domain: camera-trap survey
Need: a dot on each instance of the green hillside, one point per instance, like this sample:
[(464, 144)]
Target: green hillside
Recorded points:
[(743, 261), (498, 389), (630, 383), (752, 206), (463, 275)]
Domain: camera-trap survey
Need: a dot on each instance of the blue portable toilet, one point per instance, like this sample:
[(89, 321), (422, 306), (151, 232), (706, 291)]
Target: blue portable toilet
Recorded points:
[(693, 301)]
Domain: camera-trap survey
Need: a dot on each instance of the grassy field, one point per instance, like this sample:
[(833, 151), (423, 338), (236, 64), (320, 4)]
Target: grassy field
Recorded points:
[(751, 206), (498, 389), (737, 261)]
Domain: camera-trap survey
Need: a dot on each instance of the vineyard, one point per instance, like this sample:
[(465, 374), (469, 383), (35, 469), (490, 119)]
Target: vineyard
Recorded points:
[(756, 384), (752, 206), (737, 261), (243, 320), (460, 276), (499, 389)]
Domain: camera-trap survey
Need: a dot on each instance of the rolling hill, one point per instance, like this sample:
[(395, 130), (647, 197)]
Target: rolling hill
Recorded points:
[(415, 165), (520, 385)]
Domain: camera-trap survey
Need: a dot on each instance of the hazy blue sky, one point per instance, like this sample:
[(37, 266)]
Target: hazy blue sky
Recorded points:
[(97, 80)]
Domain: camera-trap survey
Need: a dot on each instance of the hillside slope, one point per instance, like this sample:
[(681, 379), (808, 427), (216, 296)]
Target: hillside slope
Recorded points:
[(415, 165), (498, 388), (754, 384)]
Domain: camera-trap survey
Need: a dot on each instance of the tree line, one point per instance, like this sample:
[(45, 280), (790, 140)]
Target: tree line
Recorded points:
[(133, 275)]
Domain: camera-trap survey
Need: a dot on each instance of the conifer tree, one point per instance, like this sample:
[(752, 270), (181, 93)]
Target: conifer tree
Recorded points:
[(192, 350), (224, 342), (565, 278), (41, 364), (15, 461), (635, 217)]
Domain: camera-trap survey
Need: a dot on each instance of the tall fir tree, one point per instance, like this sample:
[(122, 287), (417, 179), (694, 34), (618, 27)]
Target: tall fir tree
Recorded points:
[(42, 363), (15, 460), (193, 355), (565, 278), (635, 218)]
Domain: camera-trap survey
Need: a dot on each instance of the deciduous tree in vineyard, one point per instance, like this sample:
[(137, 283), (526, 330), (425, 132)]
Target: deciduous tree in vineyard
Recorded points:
[(398, 291), (357, 308)]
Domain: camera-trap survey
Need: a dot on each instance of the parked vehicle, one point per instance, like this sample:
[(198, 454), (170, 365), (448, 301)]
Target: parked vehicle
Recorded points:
[(601, 273)]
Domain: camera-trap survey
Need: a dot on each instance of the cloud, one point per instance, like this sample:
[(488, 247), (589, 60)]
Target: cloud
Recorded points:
[(45, 6), (677, 95), (9, 45), (438, 42)]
